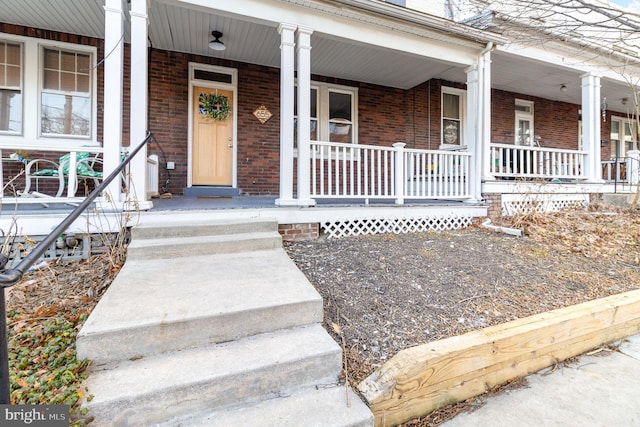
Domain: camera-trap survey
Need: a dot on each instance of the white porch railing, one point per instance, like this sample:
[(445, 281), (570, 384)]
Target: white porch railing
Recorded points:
[(536, 162), (347, 171)]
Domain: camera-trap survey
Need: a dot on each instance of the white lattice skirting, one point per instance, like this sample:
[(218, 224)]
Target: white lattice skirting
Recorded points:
[(513, 204), (357, 227)]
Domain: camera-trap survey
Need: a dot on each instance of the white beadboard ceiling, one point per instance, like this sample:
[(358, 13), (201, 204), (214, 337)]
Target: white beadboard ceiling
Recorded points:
[(189, 30)]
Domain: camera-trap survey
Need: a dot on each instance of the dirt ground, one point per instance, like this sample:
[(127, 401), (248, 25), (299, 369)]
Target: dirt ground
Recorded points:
[(388, 292)]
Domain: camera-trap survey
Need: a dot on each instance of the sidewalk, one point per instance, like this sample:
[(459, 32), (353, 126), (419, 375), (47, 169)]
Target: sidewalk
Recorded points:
[(599, 390)]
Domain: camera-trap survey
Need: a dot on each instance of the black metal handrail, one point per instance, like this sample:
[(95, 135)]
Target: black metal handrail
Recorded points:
[(13, 276)]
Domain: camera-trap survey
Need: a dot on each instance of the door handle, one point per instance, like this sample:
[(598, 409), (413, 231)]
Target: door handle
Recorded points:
[(230, 145)]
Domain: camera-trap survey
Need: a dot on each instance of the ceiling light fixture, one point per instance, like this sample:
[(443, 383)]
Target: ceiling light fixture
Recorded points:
[(216, 44), (563, 88), (624, 101)]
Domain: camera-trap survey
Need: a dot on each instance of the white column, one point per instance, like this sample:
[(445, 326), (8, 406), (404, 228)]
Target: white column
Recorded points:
[(287, 84), (472, 134), (303, 47), (591, 116), (485, 118), (137, 196), (113, 72)]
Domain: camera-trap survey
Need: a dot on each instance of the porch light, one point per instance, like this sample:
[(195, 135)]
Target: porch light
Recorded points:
[(624, 101), (216, 44)]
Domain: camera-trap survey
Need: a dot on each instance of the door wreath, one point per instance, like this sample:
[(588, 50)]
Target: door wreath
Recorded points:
[(214, 106)]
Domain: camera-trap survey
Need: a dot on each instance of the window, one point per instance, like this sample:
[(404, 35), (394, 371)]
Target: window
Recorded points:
[(524, 123), (623, 137), (453, 101), (333, 113), (66, 93), (10, 87)]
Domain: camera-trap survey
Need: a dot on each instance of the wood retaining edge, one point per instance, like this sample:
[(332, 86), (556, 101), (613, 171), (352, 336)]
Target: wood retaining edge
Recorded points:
[(421, 379)]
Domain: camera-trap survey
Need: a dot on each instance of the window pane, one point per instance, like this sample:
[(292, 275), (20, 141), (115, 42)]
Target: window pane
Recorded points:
[(83, 63), (66, 114), (67, 61), (51, 80), (314, 130), (51, 59), (82, 83), (13, 54), (13, 76), (615, 129), (340, 132), (524, 132), (340, 106), (451, 131), (202, 75), (68, 82), (450, 106), (10, 110)]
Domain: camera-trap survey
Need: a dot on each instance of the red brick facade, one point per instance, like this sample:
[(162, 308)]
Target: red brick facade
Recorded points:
[(385, 115)]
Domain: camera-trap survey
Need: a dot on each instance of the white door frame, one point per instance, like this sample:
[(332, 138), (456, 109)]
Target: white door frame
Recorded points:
[(233, 86)]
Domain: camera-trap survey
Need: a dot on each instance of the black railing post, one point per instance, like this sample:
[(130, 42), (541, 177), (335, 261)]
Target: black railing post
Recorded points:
[(5, 388), (13, 276)]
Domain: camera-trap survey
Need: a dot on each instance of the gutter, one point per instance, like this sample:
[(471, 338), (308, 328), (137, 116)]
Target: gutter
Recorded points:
[(404, 17)]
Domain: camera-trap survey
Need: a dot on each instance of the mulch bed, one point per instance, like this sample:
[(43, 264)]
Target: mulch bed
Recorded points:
[(388, 292)]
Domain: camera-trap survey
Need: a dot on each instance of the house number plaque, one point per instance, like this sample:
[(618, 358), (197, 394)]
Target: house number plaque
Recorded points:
[(262, 114)]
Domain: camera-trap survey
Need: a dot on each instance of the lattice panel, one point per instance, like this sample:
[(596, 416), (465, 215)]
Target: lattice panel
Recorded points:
[(358, 227), (513, 207), (23, 245)]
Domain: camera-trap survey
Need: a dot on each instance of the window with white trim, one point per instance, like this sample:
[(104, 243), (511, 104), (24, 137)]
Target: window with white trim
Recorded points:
[(10, 87), (334, 112), (48, 92), (524, 134), (623, 136), (453, 104), (65, 95)]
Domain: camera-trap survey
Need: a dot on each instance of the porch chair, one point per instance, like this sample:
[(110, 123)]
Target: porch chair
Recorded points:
[(38, 169)]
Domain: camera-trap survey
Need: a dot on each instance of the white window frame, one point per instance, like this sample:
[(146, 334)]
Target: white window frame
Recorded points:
[(21, 88), (525, 116), (462, 105), (323, 108), (623, 122), (32, 64)]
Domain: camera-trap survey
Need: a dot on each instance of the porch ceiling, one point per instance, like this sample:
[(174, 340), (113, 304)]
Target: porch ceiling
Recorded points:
[(188, 30)]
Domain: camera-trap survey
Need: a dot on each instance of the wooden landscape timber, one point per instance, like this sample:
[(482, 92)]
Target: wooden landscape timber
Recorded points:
[(421, 379)]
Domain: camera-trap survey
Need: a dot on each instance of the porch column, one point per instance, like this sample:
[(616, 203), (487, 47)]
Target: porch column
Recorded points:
[(287, 84), (472, 134), (303, 46), (484, 148), (137, 197), (591, 126), (113, 72)]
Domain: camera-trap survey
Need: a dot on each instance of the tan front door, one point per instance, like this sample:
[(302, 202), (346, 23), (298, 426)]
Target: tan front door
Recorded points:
[(212, 161)]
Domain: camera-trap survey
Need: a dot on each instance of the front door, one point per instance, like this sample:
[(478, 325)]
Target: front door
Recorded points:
[(212, 152)]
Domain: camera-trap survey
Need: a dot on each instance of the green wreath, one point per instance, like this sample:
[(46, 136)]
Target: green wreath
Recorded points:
[(214, 106)]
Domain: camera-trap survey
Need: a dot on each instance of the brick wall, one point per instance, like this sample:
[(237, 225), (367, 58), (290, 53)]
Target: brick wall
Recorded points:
[(494, 203), (298, 232)]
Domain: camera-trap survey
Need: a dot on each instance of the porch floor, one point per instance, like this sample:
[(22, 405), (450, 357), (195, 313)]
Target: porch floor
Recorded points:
[(178, 203)]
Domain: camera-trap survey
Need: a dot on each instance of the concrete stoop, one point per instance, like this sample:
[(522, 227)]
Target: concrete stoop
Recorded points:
[(199, 329)]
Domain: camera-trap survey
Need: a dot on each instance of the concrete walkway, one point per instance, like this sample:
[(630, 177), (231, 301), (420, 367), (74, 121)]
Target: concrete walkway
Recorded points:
[(598, 390)]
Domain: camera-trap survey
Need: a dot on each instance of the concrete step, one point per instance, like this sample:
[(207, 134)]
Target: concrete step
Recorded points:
[(162, 305), (182, 226), (323, 407), (180, 247), (151, 390)]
